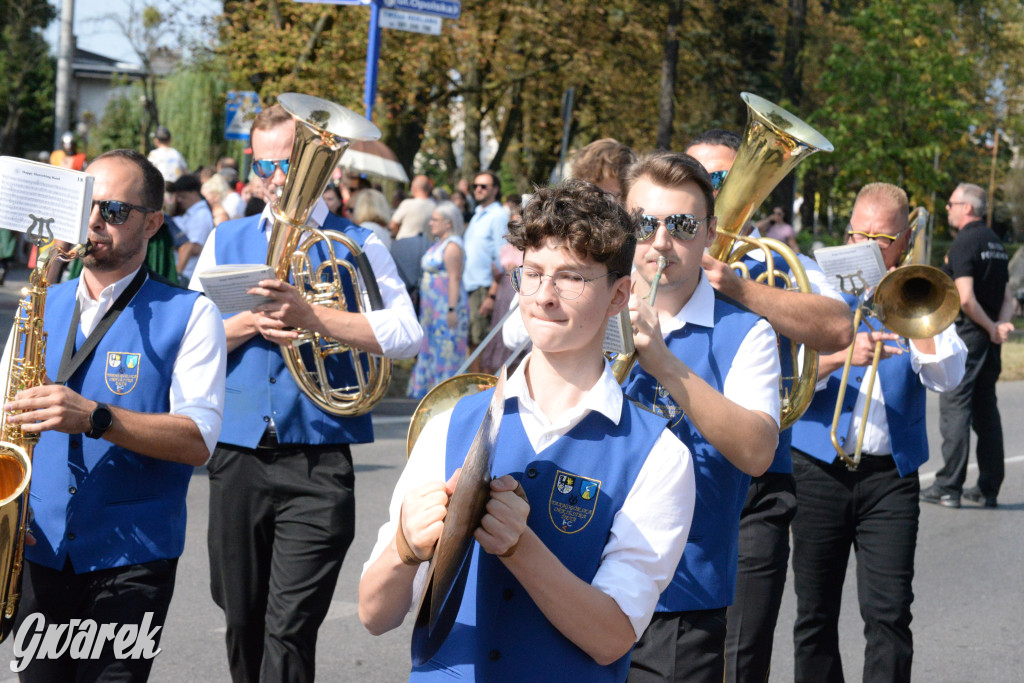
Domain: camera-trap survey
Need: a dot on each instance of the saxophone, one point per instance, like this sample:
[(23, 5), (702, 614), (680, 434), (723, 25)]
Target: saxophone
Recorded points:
[(27, 368)]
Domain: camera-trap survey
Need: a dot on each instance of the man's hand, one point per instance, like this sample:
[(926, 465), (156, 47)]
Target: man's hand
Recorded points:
[(505, 520), (721, 275), (864, 347), (423, 512), (1000, 332), (288, 305), (487, 307), (50, 407), (647, 336)]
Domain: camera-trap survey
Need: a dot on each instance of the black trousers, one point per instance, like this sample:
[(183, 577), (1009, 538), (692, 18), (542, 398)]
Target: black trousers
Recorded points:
[(876, 512), (761, 576), (681, 646), (973, 404), (281, 521), (120, 596)]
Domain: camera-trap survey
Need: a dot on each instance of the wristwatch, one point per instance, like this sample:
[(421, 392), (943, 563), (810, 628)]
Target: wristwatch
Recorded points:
[(100, 419)]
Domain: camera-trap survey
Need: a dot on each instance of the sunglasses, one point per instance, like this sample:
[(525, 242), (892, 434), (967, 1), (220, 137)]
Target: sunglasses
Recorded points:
[(717, 178), (682, 226), (884, 241), (115, 212), (264, 168), (481, 186)]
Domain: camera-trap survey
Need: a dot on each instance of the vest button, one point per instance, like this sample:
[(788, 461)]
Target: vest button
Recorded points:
[(72, 490), (494, 655), (71, 536), (273, 380), (858, 379), (531, 473), (76, 444), (266, 418), (507, 594)]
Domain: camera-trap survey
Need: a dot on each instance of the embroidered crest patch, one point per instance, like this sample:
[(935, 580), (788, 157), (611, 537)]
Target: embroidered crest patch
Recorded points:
[(667, 407), (122, 371), (573, 501)]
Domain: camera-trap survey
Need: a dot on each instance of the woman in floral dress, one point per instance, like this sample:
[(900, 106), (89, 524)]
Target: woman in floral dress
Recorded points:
[(444, 305)]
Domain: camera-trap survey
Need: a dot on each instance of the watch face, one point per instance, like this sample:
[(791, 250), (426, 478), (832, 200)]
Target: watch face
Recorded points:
[(101, 418)]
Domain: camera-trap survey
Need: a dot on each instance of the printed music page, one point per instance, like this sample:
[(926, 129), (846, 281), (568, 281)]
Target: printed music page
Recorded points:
[(852, 268), (227, 285), (618, 334), (45, 200)]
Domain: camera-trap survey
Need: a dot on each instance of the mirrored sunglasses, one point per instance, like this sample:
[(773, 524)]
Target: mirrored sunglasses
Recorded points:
[(264, 168), (682, 226), (115, 212), (717, 178)]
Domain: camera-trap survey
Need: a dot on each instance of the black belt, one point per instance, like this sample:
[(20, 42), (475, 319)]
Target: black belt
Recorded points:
[(869, 462)]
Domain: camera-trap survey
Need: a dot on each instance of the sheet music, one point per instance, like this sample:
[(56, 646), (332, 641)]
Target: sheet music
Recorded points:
[(618, 334), (227, 286), (852, 268), (49, 199)]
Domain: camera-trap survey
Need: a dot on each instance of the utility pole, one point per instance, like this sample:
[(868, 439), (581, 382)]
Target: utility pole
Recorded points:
[(65, 56), (992, 179)]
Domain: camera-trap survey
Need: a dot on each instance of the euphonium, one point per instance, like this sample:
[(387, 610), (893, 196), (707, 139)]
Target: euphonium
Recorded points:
[(774, 142), (26, 369), (322, 132)]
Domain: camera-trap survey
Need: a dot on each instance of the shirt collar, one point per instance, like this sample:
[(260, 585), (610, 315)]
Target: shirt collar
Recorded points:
[(109, 293), (317, 216), (699, 310), (604, 397)]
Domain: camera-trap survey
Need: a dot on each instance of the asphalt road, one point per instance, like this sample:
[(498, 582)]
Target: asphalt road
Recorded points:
[(967, 625)]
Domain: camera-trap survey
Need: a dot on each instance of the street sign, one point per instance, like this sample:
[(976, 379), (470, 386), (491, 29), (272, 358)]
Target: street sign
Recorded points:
[(337, 2), (242, 106), (449, 9), (410, 21)]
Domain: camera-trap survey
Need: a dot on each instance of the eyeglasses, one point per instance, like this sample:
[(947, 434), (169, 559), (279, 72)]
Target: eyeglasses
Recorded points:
[(264, 168), (884, 241), (115, 212), (950, 205), (568, 284), (717, 178), (481, 186), (682, 226)]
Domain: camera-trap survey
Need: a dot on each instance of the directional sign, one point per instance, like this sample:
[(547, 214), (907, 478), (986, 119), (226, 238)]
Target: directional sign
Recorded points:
[(449, 9), (242, 106), (337, 2), (410, 21)]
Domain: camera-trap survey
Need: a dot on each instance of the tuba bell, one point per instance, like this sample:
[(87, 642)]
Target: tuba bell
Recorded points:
[(774, 142), (322, 132)]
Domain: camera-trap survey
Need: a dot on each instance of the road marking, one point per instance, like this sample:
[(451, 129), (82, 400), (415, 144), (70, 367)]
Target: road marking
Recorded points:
[(927, 479)]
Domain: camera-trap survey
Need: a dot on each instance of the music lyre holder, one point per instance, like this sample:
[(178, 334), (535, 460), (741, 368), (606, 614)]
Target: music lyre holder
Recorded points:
[(40, 233)]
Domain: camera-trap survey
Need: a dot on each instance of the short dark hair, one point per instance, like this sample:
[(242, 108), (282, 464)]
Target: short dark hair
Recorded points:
[(716, 137), (152, 190), (494, 179), (602, 160), (587, 219), (271, 117), (672, 170)]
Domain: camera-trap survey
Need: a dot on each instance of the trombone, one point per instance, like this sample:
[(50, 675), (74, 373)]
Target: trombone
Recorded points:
[(915, 301)]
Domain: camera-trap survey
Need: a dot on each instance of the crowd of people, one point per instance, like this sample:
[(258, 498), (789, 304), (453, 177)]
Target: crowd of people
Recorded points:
[(637, 527)]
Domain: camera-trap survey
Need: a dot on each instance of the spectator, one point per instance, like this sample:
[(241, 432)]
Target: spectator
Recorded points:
[(460, 201), (68, 155), (483, 241), (370, 210), (335, 203), (193, 216), (167, 160), (776, 227), (444, 310), (214, 190), (413, 215), (232, 201)]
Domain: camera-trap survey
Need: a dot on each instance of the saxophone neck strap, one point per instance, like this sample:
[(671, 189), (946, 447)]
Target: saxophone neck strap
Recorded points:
[(71, 360)]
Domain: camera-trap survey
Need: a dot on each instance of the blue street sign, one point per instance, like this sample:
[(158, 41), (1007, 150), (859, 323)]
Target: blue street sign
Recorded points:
[(449, 9), (242, 106)]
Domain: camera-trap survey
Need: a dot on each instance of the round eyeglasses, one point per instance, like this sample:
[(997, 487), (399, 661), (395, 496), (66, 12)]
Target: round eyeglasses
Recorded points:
[(568, 284)]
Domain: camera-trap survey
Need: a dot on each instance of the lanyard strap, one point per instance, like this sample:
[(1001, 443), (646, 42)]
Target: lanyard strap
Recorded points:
[(70, 363)]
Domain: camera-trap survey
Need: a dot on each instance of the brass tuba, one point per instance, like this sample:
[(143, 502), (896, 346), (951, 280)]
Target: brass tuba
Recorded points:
[(322, 132), (774, 142), (26, 369)]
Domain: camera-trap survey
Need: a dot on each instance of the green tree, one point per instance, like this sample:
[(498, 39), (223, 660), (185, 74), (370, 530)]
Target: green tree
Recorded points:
[(192, 103), (27, 85)]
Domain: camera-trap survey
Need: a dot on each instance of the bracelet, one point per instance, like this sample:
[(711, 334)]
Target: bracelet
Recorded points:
[(405, 552), (451, 309), (490, 296)]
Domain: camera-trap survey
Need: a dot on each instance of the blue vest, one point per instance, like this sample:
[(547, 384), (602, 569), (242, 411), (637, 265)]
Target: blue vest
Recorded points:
[(575, 487), (259, 386), (95, 503), (706, 576), (783, 460), (904, 396)]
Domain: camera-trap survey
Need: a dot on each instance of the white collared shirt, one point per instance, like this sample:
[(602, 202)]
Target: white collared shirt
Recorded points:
[(396, 327), (939, 372), (197, 383), (649, 530), (753, 378)]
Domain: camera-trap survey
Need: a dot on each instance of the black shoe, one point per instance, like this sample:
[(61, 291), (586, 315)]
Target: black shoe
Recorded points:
[(976, 496), (934, 495)]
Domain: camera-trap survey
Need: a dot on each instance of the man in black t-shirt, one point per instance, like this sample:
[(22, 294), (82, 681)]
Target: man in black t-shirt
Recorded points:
[(977, 262)]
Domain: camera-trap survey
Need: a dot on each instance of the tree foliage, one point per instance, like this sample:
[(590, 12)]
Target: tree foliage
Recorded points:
[(27, 84)]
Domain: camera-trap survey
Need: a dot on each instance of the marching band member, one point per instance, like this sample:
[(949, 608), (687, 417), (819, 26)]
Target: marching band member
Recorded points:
[(822, 321), (282, 507), (712, 368), (570, 576), (875, 507)]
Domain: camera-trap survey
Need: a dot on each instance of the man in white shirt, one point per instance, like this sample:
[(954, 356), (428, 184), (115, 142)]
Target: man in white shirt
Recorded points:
[(282, 504), (136, 403), (167, 160), (873, 507), (566, 576), (413, 214)]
